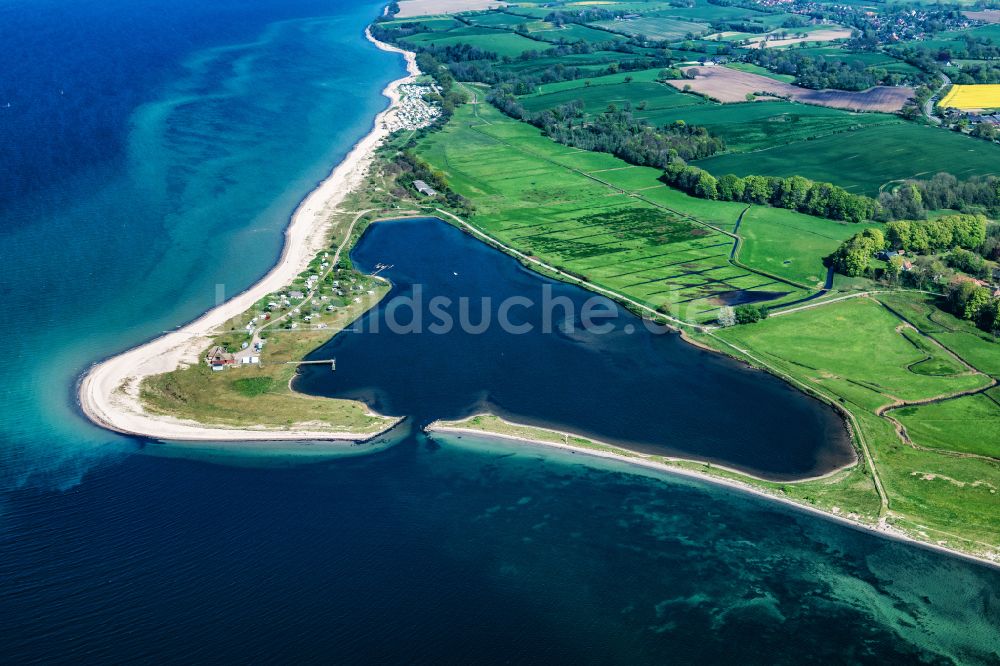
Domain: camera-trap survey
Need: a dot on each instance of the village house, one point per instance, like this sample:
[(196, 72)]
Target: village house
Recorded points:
[(219, 358)]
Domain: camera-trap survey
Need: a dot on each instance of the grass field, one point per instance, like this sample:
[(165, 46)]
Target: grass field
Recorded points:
[(970, 424), (701, 10), (595, 216), (791, 244), (641, 76), (976, 347), (873, 374), (497, 19), (583, 60), (904, 151)]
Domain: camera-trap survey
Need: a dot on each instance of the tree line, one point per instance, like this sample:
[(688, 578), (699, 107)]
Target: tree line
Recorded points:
[(794, 193)]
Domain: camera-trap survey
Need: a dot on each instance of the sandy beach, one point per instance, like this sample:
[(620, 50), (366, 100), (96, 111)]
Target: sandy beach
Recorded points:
[(109, 392), (645, 461)]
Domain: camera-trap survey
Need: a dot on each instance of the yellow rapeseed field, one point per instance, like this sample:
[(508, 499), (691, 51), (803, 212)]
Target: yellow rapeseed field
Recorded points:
[(984, 96)]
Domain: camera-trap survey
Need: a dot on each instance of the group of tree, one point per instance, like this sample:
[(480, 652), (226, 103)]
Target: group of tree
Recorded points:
[(970, 300), (794, 193), (449, 97), (742, 314), (958, 233), (582, 15), (987, 72), (913, 198), (937, 235), (820, 72), (961, 237), (614, 131), (854, 255), (407, 167)]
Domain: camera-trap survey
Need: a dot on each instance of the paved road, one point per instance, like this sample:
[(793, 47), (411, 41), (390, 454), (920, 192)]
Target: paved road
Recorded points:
[(929, 104)]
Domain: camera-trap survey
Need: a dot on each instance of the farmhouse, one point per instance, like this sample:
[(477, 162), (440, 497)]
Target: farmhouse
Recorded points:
[(424, 188), (218, 357)]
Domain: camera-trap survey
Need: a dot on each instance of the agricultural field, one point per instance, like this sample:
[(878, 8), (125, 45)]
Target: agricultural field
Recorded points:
[(655, 27), (595, 216), (603, 91), (759, 125), (729, 85), (498, 41), (966, 97), (760, 71), (825, 34), (497, 19), (904, 150), (572, 32), (985, 15), (969, 424)]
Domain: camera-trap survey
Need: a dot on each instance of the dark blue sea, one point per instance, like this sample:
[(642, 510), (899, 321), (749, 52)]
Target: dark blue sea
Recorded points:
[(151, 153)]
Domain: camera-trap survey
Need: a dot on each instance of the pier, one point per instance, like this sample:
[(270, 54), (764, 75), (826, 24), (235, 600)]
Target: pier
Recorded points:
[(332, 362)]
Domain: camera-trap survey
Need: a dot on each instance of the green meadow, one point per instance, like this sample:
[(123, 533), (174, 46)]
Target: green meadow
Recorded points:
[(969, 424), (933, 495), (594, 216), (790, 244)]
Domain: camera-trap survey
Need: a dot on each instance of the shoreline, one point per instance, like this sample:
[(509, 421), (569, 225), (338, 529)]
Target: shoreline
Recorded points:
[(646, 461), (108, 393)]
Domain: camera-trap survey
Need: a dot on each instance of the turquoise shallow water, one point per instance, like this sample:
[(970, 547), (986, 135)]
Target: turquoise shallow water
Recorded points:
[(185, 194), (153, 151)]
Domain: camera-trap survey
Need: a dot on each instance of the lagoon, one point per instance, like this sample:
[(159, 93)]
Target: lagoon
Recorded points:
[(617, 380), (144, 136)]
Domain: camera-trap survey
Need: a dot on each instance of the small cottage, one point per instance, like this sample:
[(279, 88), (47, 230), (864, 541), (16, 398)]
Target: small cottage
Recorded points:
[(219, 357)]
